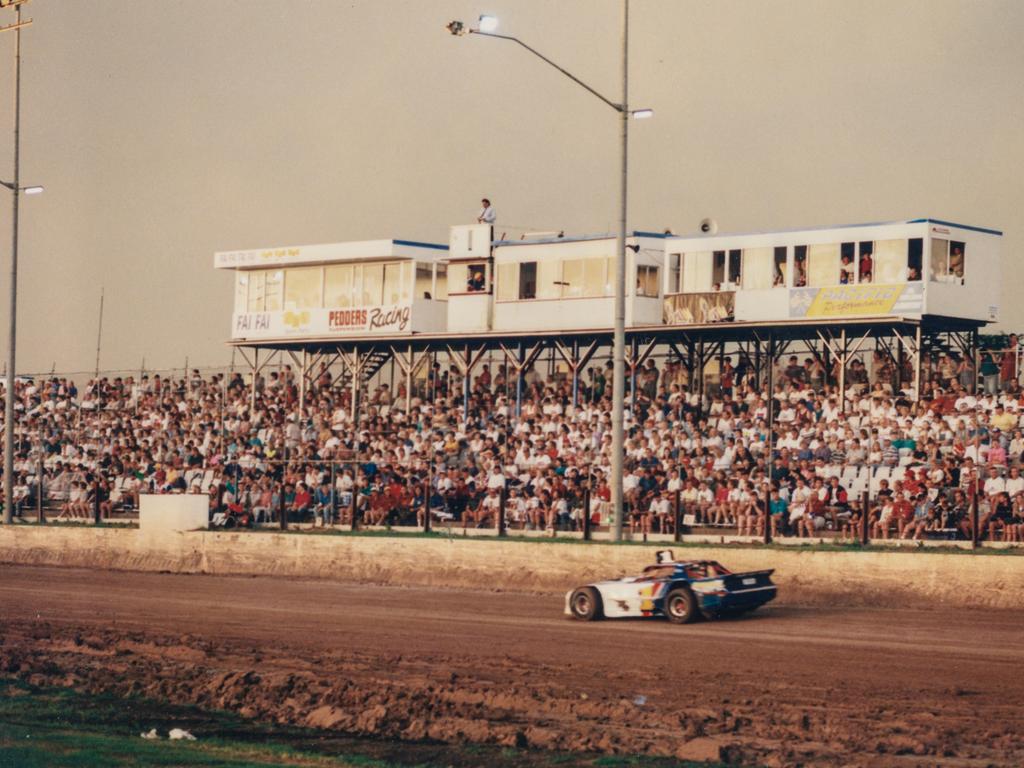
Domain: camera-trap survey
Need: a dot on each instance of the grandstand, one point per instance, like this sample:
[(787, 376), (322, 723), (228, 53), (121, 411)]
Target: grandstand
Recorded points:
[(376, 394)]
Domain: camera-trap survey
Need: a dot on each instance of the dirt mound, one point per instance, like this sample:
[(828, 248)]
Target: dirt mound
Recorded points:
[(513, 702), (789, 687)]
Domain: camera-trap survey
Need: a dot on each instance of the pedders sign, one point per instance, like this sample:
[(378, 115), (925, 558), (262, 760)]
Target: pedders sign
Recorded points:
[(374, 320)]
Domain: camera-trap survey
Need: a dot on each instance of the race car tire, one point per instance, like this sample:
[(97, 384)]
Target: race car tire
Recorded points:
[(681, 606), (585, 604)]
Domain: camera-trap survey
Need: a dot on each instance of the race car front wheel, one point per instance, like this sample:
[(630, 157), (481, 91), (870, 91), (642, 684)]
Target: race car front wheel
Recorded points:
[(585, 604), (680, 606)]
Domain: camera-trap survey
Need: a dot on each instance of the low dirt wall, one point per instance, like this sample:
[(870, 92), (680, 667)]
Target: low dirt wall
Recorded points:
[(897, 579)]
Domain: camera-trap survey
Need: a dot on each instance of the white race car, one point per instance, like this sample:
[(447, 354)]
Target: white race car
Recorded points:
[(677, 590)]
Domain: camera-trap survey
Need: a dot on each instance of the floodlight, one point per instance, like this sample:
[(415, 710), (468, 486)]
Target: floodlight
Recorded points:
[(32, 190), (488, 24), (641, 114)]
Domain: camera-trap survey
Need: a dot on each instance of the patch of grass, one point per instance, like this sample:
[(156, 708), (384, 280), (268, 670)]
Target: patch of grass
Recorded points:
[(41, 728)]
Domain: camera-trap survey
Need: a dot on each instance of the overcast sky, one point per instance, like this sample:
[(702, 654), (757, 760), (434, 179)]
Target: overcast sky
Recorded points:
[(165, 131)]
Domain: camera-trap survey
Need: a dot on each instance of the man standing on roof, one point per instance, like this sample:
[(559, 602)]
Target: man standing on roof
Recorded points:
[(487, 215)]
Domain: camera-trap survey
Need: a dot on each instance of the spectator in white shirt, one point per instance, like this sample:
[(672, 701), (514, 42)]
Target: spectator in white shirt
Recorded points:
[(487, 214)]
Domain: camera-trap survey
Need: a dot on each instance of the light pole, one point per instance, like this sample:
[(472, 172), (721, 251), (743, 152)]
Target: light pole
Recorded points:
[(16, 191), (486, 27)]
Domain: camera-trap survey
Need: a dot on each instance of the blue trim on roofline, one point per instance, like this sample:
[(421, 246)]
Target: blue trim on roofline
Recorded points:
[(656, 235), (550, 240), (958, 226), (416, 244)]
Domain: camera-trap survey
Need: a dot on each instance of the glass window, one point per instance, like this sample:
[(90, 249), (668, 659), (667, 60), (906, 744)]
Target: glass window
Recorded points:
[(373, 285), (915, 262), (594, 278), (424, 282), (890, 261), (718, 269), (442, 282), (823, 264), (257, 288), (274, 290), (799, 266), (759, 267), (406, 282), (549, 279), (572, 278), (947, 260), (781, 274), (528, 280), (392, 284), (508, 282), (698, 269), (957, 259), (647, 281), (338, 286), (675, 269), (459, 274), (476, 280), (940, 258), (302, 288), (609, 287), (241, 292), (847, 263), (735, 268), (866, 264)]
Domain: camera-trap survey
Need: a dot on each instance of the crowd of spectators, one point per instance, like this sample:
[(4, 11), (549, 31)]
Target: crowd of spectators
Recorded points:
[(922, 462)]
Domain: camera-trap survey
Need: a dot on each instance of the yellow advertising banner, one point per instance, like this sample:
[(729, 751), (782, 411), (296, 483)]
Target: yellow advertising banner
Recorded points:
[(864, 299)]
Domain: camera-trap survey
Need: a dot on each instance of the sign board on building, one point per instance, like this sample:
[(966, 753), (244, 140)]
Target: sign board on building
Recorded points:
[(863, 299), (394, 319)]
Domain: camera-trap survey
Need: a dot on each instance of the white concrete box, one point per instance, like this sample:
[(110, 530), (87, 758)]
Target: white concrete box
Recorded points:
[(174, 512)]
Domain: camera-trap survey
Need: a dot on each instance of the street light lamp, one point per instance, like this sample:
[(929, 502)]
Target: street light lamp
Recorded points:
[(16, 190), (487, 24), (486, 28), (32, 190)]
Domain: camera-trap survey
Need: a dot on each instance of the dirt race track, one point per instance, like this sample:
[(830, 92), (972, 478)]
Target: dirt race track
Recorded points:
[(784, 686)]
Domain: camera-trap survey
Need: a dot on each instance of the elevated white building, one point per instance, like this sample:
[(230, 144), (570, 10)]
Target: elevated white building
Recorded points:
[(898, 289)]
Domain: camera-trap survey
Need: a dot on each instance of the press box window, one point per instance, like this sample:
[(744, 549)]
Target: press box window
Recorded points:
[(549, 279), (847, 263), (508, 282), (264, 294), (866, 262), (241, 292), (396, 289), (647, 281), (726, 268), (800, 266), (424, 282), (947, 257), (373, 285), (915, 260), (780, 277), (823, 264), (528, 280), (303, 288), (472, 277), (758, 268), (338, 286)]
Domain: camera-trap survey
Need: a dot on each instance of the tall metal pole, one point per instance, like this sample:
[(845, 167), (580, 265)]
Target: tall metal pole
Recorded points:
[(619, 339), (12, 323), (99, 336), (770, 441)]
